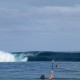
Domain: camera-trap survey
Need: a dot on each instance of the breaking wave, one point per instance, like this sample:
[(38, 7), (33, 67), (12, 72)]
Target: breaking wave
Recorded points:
[(39, 56), (49, 56), (9, 57)]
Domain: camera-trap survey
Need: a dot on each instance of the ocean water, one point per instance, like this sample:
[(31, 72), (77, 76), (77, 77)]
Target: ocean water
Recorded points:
[(39, 56), (33, 70)]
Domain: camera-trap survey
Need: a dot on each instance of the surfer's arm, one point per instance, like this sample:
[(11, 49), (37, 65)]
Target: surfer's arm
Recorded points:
[(51, 75)]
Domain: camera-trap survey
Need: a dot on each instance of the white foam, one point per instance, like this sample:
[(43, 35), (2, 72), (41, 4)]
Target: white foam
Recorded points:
[(6, 57), (24, 59)]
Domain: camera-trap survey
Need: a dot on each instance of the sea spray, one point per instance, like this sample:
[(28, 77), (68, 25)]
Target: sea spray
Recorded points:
[(9, 57), (6, 57)]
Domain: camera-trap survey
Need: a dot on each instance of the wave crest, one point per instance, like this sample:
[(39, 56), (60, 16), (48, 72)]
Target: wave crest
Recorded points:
[(8, 57)]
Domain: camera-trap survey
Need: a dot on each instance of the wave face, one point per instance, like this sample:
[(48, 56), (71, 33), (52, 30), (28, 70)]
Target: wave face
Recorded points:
[(39, 56), (9, 57), (49, 56)]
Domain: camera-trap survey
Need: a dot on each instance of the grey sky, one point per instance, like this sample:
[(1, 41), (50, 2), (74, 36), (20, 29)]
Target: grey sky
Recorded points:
[(44, 25)]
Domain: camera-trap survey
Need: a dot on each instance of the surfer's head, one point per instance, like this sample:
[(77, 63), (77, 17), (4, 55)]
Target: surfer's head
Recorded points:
[(42, 77), (57, 65)]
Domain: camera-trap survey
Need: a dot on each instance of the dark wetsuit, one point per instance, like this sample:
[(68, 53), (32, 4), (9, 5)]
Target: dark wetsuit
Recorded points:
[(42, 77)]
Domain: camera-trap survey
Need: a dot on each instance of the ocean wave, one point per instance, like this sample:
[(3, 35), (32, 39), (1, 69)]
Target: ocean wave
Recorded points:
[(9, 57), (38, 56)]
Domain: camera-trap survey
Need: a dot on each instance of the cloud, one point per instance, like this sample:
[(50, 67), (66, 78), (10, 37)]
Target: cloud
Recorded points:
[(37, 22), (40, 19), (40, 11)]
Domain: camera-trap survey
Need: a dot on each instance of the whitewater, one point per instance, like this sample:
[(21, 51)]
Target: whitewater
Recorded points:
[(38, 56), (9, 57)]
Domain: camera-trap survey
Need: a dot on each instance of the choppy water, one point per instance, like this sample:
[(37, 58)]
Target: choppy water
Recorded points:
[(33, 70)]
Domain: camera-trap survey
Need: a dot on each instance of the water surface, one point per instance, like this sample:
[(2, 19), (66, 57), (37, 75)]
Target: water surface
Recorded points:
[(33, 70)]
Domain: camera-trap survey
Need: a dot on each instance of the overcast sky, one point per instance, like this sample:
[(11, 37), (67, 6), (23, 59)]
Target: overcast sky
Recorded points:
[(42, 25)]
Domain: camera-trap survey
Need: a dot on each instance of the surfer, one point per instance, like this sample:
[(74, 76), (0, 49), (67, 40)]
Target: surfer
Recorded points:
[(50, 77), (57, 65), (42, 77), (51, 73)]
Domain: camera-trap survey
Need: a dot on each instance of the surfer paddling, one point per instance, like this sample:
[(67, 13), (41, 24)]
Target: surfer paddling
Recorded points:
[(50, 77), (42, 77), (51, 74)]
